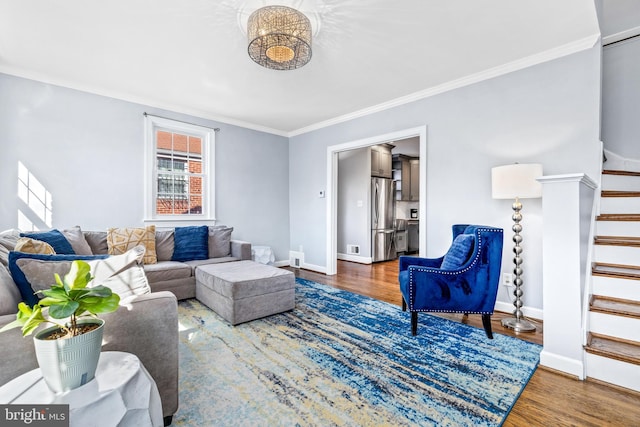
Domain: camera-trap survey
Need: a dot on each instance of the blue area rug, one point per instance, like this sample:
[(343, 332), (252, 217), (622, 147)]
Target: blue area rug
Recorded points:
[(341, 359)]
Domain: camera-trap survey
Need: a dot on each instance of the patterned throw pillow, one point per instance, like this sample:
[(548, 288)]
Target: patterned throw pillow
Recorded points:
[(33, 246), (120, 240)]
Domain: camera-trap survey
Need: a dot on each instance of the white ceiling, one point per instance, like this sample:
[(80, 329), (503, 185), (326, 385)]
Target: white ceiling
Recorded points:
[(191, 55)]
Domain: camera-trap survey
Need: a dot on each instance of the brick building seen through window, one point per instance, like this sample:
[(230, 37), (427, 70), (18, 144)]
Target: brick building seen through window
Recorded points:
[(179, 174)]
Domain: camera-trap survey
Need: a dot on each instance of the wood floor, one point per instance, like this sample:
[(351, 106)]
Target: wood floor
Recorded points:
[(549, 399)]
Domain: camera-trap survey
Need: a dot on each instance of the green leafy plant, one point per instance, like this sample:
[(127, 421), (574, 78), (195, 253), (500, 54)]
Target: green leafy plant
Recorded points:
[(69, 298)]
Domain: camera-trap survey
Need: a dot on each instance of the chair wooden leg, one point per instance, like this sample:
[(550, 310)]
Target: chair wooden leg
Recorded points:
[(414, 323), (486, 322)]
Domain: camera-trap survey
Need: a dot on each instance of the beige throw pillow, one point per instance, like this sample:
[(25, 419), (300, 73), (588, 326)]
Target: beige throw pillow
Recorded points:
[(33, 246), (120, 240)]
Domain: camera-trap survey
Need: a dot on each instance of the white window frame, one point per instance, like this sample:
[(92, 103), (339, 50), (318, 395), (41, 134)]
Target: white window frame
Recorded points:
[(153, 124)]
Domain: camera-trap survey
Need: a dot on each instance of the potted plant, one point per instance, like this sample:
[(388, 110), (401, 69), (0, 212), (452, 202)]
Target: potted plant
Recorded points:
[(68, 352)]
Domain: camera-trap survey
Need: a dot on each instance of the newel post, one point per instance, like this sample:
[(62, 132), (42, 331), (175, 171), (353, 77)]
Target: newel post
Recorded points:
[(567, 204)]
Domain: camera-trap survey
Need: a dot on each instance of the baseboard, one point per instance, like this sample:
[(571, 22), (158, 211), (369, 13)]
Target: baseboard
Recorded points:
[(561, 363), (317, 268), (507, 307), (355, 258), (283, 263)]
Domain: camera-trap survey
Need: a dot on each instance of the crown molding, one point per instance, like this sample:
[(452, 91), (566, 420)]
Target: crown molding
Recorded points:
[(539, 58), (548, 55), (147, 102), (622, 35)]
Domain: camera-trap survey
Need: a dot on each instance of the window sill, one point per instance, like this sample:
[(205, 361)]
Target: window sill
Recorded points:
[(178, 222)]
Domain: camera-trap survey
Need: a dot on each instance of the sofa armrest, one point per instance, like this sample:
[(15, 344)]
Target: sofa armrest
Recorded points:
[(17, 353), (147, 326), (241, 249)]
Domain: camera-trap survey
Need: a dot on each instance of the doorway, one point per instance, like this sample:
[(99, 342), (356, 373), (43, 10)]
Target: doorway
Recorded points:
[(332, 186)]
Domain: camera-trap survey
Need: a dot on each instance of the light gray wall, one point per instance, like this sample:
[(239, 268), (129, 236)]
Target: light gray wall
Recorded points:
[(88, 151), (548, 113), (621, 98), (354, 182)]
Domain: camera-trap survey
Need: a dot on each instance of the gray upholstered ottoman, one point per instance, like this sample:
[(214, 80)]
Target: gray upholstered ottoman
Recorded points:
[(245, 290)]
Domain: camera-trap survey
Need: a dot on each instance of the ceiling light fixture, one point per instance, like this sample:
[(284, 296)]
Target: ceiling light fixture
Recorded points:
[(279, 38)]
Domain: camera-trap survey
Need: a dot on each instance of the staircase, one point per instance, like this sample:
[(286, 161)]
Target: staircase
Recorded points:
[(613, 339)]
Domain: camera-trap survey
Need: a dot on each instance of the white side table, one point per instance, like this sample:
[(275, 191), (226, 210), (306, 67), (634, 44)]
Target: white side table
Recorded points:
[(121, 394), (263, 254)]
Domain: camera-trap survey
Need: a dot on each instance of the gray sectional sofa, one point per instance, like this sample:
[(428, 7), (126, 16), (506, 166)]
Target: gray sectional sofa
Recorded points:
[(147, 325), (179, 277)]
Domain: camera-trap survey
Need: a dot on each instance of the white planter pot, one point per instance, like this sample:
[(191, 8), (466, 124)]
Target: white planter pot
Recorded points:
[(69, 363)]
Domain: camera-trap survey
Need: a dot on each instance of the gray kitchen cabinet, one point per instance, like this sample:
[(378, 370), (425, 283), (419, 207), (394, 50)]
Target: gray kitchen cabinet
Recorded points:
[(406, 173), (414, 193), (381, 161)]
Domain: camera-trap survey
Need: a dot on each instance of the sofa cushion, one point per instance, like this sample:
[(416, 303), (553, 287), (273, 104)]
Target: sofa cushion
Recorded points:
[(9, 293), (55, 238), (44, 275), (76, 239), (97, 241), (8, 240), (164, 245), (167, 270), (120, 240), (33, 246), (191, 243), (219, 241), (459, 252)]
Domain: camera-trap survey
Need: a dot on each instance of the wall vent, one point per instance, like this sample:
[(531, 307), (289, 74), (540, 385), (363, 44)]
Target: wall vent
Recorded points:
[(353, 249), (296, 259)]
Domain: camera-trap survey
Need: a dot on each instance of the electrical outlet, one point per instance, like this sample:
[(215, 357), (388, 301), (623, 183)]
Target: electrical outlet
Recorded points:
[(507, 279)]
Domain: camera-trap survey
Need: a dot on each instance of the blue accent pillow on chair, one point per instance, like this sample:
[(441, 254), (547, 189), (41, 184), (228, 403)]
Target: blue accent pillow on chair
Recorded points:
[(191, 243), (459, 252), (55, 238)]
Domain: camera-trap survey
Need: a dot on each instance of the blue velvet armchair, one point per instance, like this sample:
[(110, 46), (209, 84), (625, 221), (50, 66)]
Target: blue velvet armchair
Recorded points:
[(465, 280)]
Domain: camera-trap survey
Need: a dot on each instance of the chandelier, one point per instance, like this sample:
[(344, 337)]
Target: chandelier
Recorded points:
[(279, 38)]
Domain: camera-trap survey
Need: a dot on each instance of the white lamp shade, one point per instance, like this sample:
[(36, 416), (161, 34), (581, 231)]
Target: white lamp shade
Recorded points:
[(518, 180)]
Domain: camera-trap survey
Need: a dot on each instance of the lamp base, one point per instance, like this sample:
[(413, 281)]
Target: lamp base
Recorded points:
[(518, 325)]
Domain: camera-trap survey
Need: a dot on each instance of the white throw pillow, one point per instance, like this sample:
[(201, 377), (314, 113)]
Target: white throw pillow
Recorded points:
[(123, 274)]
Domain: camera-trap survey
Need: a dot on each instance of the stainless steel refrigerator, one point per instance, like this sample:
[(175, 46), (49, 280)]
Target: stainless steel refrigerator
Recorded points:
[(383, 209)]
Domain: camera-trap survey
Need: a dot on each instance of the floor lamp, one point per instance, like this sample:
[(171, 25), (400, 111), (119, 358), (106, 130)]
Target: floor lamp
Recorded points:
[(517, 182)]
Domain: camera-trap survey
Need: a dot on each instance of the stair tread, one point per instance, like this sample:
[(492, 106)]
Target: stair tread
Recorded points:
[(619, 193), (616, 270), (617, 240), (618, 217), (627, 351), (615, 306), (620, 172)]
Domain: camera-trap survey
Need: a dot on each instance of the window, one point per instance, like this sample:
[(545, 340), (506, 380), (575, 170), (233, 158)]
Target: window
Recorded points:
[(179, 182)]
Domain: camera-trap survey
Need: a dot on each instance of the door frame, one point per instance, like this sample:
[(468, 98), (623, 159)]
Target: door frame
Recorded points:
[(332, 188)]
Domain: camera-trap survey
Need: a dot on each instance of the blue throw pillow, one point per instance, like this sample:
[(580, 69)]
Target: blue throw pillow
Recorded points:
[(55, 238), (191, 243), (26, 291), (459, 252)]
